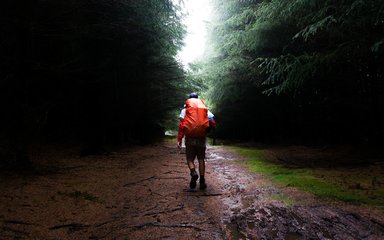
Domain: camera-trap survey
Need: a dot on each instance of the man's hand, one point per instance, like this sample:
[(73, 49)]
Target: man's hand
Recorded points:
[(179, 144)]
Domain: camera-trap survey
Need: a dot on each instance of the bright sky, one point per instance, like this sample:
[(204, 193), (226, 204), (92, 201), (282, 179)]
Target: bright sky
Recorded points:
[(199, 12)]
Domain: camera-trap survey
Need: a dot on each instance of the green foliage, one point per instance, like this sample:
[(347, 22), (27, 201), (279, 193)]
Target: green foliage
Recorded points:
[(308, 56), (98, 72), (323, 183)]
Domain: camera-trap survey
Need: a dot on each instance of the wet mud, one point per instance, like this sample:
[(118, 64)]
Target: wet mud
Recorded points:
[(142, 193), (251, 210)]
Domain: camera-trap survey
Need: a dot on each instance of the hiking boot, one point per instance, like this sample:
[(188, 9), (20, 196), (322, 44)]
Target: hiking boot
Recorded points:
[(194, 178), (202, 183)]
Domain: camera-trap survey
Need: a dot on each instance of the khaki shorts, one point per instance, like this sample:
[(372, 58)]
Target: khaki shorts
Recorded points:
[(195, 147)]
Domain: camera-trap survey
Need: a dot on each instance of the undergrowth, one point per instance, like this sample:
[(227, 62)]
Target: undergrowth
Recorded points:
[(358, 186)]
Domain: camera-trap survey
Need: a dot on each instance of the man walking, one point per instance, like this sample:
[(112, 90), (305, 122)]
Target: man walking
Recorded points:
[(195, 122)]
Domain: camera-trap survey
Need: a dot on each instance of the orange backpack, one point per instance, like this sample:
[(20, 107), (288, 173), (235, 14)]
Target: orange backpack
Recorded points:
[(196, 120)]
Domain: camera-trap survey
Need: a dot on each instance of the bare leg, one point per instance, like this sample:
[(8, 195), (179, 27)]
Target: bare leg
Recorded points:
[(203, 185), (192, 151), (201, 167), (201, 158), (191, 164), (194, 175), (190, 154)]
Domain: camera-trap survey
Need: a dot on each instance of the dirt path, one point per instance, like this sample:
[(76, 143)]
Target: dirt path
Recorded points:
[(256, 209), (142, 193)]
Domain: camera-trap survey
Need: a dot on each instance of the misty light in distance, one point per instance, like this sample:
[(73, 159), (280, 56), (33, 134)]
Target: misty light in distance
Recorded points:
[(198, 13)]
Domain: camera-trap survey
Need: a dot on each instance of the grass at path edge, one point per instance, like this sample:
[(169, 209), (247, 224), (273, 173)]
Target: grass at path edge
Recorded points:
[(306, 179)]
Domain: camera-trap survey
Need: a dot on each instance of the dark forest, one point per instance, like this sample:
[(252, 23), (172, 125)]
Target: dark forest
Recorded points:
[(104, 72), (307, 72), (90, 100), (88, 72)]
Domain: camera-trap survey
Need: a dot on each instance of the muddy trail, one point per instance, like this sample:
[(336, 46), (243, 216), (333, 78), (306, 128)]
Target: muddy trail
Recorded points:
[(142, 193)]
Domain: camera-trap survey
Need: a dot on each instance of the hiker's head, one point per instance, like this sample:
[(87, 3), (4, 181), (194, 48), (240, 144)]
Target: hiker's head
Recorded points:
[(193, 95)]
